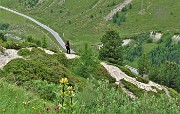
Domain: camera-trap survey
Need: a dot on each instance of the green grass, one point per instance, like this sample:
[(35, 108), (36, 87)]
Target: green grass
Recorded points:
[(157, 17), (15, 100), (24, 28), (147, 47), (73, 18), (82, 29)]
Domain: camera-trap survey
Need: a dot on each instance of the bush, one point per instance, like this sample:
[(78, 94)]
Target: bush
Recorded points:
[(101, 73), (129, 73), (43, 88), (149, 40), (24, 52), (12, 45), (18, 45), (133, 88), (143, 80), (4, 26), (99, 99)]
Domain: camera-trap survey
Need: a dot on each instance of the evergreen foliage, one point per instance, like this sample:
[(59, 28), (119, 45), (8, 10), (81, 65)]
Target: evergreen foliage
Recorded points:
[(3, 37), (87, 63), (167, 74), (4, 26), (111, 50), (166, 51), (44, 42), (143, 65)]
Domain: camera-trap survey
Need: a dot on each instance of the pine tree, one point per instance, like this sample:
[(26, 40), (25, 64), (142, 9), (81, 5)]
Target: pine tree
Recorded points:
[(111, 50), (143, 65), (87, 63), (44, 42)]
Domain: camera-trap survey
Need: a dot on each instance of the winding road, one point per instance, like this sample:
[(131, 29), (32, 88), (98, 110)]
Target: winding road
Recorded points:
[(54, 33), (119, 7)]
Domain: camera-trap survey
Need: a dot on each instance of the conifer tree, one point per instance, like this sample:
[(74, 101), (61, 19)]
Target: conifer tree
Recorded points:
[(143, 65), (111, 50)]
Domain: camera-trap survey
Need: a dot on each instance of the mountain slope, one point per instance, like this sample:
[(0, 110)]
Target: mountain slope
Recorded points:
[(83, 21)]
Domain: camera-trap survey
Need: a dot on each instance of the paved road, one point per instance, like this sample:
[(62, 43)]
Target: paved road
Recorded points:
[(119, 7), (54, 33)]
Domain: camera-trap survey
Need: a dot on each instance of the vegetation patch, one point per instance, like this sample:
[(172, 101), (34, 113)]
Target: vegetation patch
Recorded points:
[(4, 26), (133, 88), (129, 73), (24, 52)]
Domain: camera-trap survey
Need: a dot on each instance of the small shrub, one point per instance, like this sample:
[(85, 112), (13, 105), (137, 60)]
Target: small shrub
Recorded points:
[(3, 37), (61, 11), (91, 16), (149, 40), (12, 45), (4, 26), (124, 9), (24, 52), (129, 73), (133, 88), (101, 73), (130, 6), (143, 80)]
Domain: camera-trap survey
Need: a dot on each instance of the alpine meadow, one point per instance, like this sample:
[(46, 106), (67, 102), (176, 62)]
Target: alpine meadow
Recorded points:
[(89, 57)]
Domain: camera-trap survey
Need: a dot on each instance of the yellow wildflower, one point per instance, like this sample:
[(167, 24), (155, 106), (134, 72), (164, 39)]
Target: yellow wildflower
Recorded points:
[(33, 108), (62, 94), (72, 93), (70, 88), (24, 103), (64, 81)]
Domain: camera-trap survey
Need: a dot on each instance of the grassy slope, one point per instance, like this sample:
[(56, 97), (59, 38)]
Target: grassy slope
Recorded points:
[(82, 28), (24, 28), (12, 98), (157, 16)]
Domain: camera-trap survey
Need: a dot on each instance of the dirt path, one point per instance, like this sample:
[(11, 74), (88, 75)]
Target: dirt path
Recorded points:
[(7, 56), (117, 8), (116, 73)]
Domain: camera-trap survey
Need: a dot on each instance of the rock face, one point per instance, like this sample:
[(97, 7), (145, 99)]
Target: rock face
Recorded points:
[(176, 38), (71, 56), (116, 73), (126, 42), (7, 56), (156, 36)]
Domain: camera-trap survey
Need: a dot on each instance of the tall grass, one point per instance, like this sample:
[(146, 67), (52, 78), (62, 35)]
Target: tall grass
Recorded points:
[(15, 100)]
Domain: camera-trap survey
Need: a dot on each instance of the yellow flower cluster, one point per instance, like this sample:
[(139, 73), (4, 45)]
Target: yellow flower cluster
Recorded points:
[(62, 94), (64, 81), (71, 92), (70, 88), (33, 108)]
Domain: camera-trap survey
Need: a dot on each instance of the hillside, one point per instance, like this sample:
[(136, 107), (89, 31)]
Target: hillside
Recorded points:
[(83, 21), (35, 75), (128, 62)]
